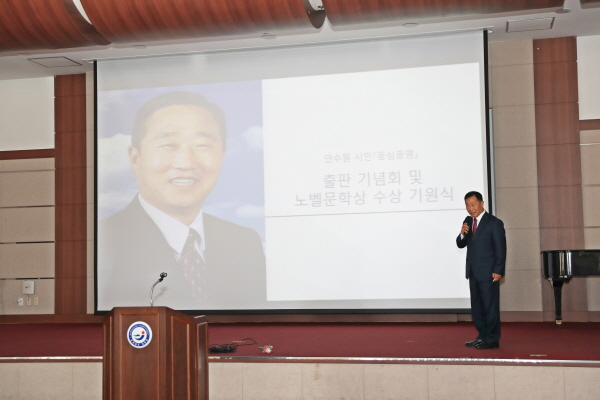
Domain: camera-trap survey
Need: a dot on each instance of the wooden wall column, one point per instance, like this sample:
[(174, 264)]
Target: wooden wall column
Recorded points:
[(71, 209), (559, 164)]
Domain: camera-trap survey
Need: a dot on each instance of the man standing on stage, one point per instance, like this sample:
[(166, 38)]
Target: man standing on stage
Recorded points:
[(484, 236)]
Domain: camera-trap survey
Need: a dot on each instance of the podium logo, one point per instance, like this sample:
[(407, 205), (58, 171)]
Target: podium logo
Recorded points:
[(139, 334)]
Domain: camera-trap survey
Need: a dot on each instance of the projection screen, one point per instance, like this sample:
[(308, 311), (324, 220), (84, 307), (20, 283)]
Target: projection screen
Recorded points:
[(315, 178)]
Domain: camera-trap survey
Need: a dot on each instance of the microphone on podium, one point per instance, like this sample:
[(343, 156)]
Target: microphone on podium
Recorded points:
[(163, 275)]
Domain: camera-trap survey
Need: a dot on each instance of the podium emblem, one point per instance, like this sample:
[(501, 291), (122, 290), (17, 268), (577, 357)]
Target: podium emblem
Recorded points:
[(139, 334)]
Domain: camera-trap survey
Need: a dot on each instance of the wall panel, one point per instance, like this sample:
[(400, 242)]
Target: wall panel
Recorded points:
[(517, 207), (555, 50), (29, 224), (515, 169), (26, 260), (28, 188), (71, 194), (21, 129), (557, 123), (515, 166), (512, 85), (521, 291), (590, 167), (591, 211), (588, 58), (561, 238), (559, 163), (69, 190), (590, 163), (11, 290), (514, 126), (27, 160), (523, 245), (560, 82), (27, 229)]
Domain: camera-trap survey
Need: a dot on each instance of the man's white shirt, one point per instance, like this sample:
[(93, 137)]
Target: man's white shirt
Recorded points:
[(174, 231), (478, 221)]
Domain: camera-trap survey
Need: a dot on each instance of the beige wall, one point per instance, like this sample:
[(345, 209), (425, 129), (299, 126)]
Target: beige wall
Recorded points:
[(590, 171), (25, 185), (299, 381), (27, 199), (51, 381), (20, 128), (588, 59), (27, 196), (513, 110), (512, 101), (262, 381), (27, 234)]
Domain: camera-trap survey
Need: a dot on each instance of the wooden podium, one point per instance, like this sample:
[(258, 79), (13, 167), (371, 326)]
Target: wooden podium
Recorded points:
[(172, 365)]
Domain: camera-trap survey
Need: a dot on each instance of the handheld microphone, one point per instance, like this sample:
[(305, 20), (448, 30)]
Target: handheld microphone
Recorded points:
[(163, 275), (469, 221)]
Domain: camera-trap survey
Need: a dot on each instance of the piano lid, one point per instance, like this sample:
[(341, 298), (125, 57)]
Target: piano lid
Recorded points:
[(562, 264)]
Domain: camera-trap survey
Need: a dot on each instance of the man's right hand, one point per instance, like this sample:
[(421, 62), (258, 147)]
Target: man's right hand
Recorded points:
[(465, 229)]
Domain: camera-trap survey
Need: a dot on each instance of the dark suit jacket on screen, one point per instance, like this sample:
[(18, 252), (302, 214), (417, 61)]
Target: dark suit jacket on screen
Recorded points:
[(132, 252), (486, 250)]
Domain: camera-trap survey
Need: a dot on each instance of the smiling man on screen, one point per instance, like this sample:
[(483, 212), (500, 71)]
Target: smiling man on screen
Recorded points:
[(178, 145), (484, 236)]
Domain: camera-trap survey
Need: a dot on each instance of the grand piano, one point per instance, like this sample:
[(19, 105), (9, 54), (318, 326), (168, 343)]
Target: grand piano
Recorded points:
[(561, 265)]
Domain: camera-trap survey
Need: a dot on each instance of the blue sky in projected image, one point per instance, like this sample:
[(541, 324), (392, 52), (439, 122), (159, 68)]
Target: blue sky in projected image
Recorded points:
[(239, 193)]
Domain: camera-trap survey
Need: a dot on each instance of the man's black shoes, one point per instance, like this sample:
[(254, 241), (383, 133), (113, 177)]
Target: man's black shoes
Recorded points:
[(474, 343), (481, 345), (486, 345)]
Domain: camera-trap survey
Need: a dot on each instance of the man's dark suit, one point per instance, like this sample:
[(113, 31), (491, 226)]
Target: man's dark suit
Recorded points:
[(132, 252), (486, 254)]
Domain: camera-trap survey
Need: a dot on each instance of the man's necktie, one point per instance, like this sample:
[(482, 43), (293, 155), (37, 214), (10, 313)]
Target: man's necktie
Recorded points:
[(474, 225), (193, 265)]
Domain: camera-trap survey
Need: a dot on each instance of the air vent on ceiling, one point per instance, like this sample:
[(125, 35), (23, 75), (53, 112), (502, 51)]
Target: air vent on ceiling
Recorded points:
[(524, 25), (54, 62)]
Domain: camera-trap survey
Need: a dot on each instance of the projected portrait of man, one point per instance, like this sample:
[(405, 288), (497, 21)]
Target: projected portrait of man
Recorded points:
[(177, 148)]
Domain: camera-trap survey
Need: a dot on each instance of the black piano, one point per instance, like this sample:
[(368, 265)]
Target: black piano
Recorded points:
[(561, 265)]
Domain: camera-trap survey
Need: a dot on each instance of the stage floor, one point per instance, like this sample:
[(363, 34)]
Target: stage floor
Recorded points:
[(530, 343)]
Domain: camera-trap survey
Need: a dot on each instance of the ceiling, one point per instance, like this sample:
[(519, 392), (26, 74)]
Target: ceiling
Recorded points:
[(569, 20)]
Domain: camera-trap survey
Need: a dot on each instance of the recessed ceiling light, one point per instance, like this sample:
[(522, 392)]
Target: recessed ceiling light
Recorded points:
[(410, 25)]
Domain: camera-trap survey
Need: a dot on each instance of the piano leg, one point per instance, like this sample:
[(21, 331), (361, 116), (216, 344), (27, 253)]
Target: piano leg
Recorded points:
[(557, 284)]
